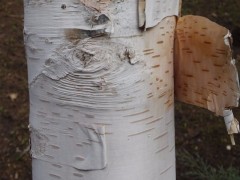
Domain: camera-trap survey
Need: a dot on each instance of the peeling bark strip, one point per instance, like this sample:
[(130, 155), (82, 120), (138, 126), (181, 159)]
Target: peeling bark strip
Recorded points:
[(151, 12), (205, 73), (231, 123), (91, 155), (101, 91), (141, 13)]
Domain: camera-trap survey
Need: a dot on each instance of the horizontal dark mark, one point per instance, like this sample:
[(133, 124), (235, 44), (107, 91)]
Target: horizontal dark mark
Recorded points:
[(156, 66), (150, 96), (145, 50), (207, 42), (44, 123), (218, 65), (57, 165), (55, 176), (86, 143), (160, 42), (155, 120), (171, 149), (199, 102), (52, 135), (148, 53), (77, 174), (79, 158), (169, 105), (45, 101), (142, 132), (79, 145), (109, 133), (48, 156), (125, 109), (215, 56), (137, 113), (142, 119), (197, 61), (91, 140), (166, 169), (162, 95), (156, 56), (223, 53), (189, 75), (161, 149), (167, 101), (103, 124), (222, 50), (171, 120), (161, 135), (54, 146), (199, 93)]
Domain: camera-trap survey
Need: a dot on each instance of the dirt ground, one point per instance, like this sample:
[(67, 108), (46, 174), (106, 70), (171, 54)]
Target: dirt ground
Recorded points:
[(197, 130)]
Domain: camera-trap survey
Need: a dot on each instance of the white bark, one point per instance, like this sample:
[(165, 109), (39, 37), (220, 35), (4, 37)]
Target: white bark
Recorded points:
[(101, 90)]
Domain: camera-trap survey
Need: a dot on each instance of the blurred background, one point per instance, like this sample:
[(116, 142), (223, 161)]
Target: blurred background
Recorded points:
[(203, 147)]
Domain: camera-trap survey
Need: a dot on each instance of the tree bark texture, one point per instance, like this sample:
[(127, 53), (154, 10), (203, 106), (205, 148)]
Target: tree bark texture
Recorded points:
[(101, 89)]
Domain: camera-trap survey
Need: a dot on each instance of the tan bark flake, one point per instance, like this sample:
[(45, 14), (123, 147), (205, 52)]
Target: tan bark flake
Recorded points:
[(205, 74)]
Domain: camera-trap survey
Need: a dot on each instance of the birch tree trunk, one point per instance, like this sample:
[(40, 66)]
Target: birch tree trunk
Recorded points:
[(101, 89)]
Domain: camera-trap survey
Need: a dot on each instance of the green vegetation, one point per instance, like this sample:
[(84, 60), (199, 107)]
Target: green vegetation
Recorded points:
[(198, 169)]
